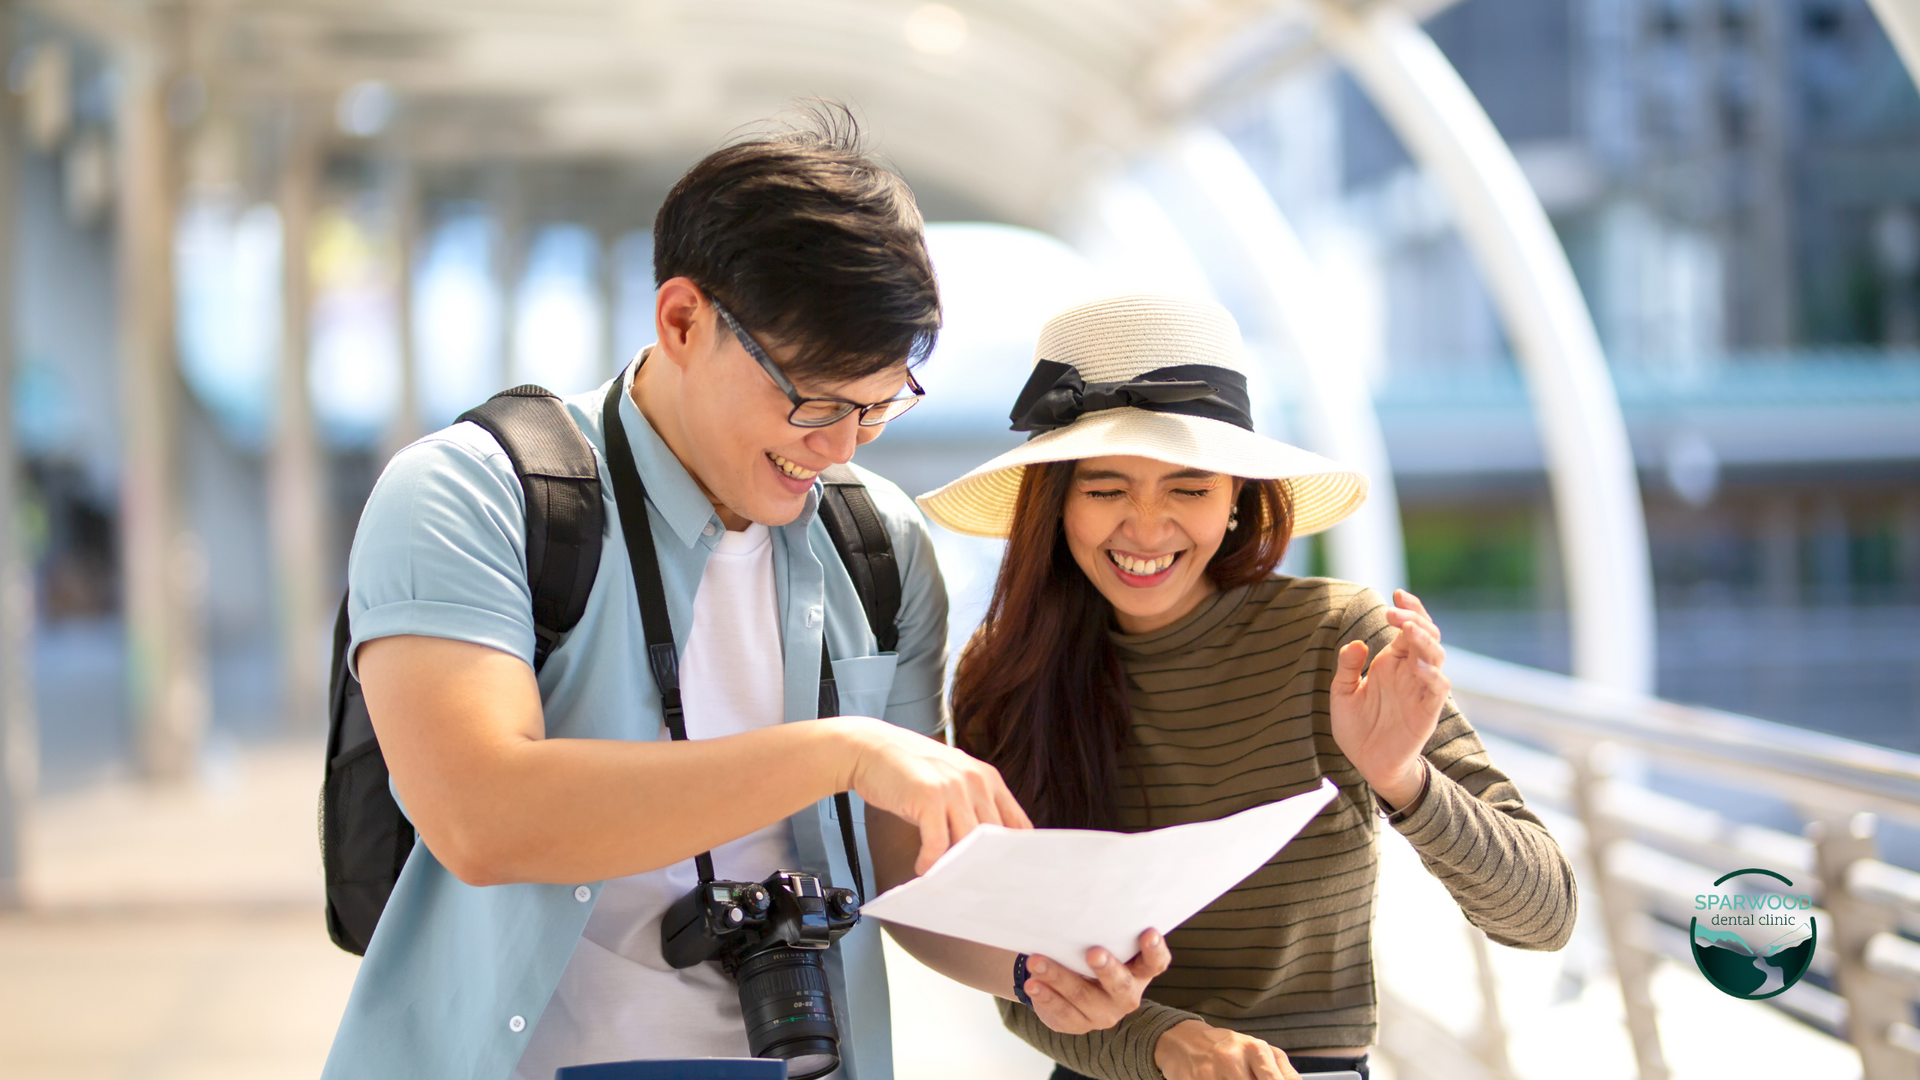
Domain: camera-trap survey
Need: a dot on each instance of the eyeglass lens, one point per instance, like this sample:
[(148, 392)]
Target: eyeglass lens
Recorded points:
[(819, 413)]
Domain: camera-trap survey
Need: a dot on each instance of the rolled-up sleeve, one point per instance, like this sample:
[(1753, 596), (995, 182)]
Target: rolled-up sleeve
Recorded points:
[(441, 548)]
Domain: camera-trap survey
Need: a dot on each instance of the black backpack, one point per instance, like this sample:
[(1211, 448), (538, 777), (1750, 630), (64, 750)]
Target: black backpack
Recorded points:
[(364, 838)]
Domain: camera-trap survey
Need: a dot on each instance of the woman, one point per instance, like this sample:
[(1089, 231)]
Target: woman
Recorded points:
[(1141, 665)]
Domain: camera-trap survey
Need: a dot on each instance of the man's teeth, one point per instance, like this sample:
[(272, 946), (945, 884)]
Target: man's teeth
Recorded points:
[(790, 468), (1142, 567)]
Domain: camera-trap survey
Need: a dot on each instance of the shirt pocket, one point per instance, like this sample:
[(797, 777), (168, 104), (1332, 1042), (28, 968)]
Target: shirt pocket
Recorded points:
[(863, 683)]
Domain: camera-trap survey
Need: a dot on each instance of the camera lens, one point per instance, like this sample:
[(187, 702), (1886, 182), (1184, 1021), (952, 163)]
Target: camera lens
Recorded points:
[(788, 1010)]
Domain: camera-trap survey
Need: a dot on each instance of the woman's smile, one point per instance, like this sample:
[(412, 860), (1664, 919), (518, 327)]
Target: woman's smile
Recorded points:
[(1142, 571)]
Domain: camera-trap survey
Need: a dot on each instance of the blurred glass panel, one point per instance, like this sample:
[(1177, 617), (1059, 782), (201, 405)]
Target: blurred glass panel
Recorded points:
[(557, 331), (633, 287), (227, 273), (353, 370), (456, 323)]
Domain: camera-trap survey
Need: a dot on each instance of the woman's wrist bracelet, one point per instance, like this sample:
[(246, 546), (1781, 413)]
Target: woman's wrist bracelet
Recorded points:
[(1020, 980)]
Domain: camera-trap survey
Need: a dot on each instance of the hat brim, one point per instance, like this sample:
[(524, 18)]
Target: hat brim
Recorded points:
[(1324, 492)]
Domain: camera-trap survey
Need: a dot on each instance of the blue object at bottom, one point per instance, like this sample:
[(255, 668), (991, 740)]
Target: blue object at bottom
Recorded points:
[(685, 1069)]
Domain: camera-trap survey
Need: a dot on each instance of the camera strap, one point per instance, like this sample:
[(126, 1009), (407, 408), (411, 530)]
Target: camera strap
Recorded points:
[(630, 499)]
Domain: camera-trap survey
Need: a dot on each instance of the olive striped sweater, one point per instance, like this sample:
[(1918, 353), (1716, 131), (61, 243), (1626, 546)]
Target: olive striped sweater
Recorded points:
[(1229, 711)]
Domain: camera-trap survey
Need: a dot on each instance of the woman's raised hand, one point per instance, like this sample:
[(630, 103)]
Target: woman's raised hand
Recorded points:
[(1196, 1050), (1383, 718), (1073, 1005), (943, 792)]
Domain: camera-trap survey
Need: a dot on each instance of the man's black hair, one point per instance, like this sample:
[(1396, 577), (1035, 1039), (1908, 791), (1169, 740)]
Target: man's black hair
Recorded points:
[(810, 243)]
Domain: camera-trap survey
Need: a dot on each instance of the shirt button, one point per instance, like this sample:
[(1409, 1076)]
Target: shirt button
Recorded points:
[(583, 894), (517, 1024), (708, 531)]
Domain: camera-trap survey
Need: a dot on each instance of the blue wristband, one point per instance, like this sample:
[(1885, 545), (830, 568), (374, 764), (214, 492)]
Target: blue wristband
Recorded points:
[(1020, 980)]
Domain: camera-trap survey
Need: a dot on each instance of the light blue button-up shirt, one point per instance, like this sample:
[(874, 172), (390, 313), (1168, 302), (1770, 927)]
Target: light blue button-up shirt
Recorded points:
[(456, 976)]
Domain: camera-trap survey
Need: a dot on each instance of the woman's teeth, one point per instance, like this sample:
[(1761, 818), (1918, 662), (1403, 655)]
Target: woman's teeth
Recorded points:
[(1142, 567), (790, 468)]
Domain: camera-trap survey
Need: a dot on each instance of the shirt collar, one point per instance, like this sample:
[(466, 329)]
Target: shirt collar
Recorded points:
[(670, 488)]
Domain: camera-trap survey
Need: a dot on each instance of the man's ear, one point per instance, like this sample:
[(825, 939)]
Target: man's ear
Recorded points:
[(678, 328)]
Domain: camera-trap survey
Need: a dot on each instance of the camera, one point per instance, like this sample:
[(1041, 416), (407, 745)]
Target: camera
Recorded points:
[(770, 937)]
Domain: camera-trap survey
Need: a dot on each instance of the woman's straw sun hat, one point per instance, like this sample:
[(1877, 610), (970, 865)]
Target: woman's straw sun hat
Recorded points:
[(1146, 376)]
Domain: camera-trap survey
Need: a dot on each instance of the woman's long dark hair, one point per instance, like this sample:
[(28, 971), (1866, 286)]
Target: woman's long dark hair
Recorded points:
[(1039, 692)]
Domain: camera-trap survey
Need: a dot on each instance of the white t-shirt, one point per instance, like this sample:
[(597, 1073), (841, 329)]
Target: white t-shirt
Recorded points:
[(618, 1000)]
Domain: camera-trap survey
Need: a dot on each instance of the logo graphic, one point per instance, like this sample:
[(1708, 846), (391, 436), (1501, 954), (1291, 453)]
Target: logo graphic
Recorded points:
[(1753, 944)]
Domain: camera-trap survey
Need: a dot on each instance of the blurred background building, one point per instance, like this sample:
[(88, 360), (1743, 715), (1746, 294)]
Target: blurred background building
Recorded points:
[(1618, 300)]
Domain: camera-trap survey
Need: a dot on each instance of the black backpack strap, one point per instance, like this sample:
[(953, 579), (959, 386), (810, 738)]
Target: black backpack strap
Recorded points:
[(566, 521), (847, 509)]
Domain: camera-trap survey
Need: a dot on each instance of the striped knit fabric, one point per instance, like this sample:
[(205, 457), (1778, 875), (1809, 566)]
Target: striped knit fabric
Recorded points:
[(1230, 712)]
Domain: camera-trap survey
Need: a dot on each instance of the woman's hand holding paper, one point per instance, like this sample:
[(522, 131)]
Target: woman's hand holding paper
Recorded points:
[(1073, 1005), (1383, 716)]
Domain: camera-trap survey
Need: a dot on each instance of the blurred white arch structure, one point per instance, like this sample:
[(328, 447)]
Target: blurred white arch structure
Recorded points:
[(1596, 494), (1135, 246), (1902, 21), (1338, 418)]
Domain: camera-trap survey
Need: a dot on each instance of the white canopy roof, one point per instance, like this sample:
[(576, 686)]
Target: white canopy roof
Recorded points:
[(1004, 104)]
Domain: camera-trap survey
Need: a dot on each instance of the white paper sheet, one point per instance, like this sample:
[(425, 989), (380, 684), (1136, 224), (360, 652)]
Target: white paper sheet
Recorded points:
[(1059, 892)]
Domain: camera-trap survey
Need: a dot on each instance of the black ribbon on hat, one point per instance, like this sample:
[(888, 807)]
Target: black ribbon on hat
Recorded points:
[(1056, 395)]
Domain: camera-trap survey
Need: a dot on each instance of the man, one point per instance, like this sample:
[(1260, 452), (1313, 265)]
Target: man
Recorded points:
[(556, 820)]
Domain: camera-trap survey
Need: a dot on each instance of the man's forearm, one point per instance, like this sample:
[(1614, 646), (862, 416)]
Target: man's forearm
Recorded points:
[(982, 967), (568, 810), (497, 802)]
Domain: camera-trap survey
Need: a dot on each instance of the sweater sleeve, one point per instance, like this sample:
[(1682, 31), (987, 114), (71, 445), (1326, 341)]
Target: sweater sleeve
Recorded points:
[(1474, 832), (1121, 1052)]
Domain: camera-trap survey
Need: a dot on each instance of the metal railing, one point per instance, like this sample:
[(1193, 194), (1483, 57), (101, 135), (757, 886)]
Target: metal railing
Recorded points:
[(1646, 854)]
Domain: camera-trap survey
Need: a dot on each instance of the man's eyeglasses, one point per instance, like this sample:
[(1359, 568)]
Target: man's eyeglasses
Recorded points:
[(815, 412)]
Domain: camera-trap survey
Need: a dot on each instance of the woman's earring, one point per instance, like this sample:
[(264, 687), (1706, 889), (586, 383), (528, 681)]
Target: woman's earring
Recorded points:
[(1233, 519)]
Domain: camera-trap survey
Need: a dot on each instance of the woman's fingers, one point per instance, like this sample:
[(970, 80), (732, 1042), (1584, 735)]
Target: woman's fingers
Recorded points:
[(1253, 1059), (1411, 603), (1283, 1069), (1122, 988), (1059, 997), (1097, 1003), (1154, 957), (1405, 618), (1424, 646), (1348, 664), (1056, 1011)]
